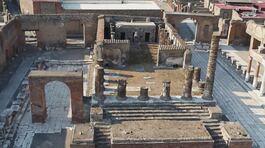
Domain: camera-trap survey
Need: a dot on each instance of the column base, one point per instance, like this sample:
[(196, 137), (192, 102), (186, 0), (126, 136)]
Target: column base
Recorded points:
[(141, 98), (165, 98), (186, 98), (121, 98), (207, 97)]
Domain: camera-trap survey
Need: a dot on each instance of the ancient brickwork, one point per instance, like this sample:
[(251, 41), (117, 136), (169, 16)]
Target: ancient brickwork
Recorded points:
[(47, 26), (206, 23), (37, 82), (208, 90), (12, 40), (115, 52)]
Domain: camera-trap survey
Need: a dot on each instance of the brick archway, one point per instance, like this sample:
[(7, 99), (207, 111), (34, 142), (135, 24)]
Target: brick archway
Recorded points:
[(37, 82)]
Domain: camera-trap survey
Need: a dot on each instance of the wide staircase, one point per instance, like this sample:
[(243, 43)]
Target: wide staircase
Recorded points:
[(152, 50), (156, 112), (213, 127), (102, 135)]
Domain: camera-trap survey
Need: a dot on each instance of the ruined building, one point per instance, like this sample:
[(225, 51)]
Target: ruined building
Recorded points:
[(134, 84)]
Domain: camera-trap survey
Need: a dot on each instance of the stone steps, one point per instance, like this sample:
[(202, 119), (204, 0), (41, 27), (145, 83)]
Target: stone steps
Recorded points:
[(214, 129), (157, 111), (102, 135), (172, 111), (157, 114), (152, 50), (189, 118)]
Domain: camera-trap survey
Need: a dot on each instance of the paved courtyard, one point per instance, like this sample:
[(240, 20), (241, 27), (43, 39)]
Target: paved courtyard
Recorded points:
[(237, 99)]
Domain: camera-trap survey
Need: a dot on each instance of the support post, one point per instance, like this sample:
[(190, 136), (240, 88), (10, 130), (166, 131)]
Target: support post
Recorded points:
[(166, 91), (121, 89), (197, 74), (248, 69), (256, 76), (187, 90), (208, 89), (143, 94)]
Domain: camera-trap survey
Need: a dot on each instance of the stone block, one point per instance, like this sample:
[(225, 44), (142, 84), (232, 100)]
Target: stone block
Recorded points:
[(96, 114), (235, 135), (215, 112)]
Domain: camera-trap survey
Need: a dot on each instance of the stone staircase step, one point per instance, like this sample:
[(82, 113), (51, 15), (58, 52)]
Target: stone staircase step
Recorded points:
[(159, 114), (157, 111), (156, 118), (155, 107)]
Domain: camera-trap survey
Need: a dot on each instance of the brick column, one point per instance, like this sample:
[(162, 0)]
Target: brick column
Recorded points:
[(208, 89), (255, 80), (249, 69), (166, 91), (197, 74), (121, 90), (187, 90)]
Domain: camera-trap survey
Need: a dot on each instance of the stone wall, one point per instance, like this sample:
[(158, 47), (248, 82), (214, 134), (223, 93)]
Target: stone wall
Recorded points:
[(116, 52), (237, 33), (11, 41), (206, 23), (170, 54), (37, 82), (47, 7), (51, 29)]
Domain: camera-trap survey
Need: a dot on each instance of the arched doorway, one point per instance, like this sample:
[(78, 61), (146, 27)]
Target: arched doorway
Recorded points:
[(58, 101), (187, 29), (71, 81)]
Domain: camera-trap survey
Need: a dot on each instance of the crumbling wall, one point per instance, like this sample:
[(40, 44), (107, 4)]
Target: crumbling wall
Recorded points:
[(115, 52), (170, 54), (11, 40), (206, 23), (51, 29), (47, 7), (237, 34)]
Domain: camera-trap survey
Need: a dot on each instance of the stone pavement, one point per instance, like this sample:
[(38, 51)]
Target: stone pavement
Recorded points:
[(6, 95), (59, 115), (237, 99)]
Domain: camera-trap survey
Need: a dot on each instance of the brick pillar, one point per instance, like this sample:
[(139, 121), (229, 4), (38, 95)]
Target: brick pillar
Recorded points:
[(166, 91), (99, 82), (121, 90), (208, 90), (255, 80), (187, 90), (143, 93), (187, 58), (248, 69), (197, 74)]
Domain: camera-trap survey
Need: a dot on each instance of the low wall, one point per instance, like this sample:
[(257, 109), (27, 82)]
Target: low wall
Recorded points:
[(167, 53), (116, 52)]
